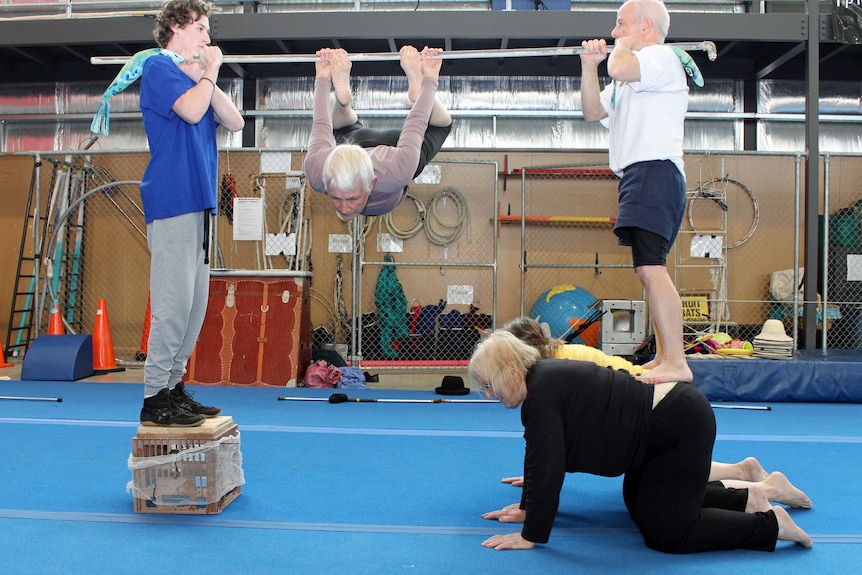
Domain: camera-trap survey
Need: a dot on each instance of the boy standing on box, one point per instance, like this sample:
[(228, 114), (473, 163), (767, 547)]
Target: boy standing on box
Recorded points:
[(182, 106)]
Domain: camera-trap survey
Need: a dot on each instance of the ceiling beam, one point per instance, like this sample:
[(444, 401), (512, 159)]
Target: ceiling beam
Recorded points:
[(551, 25), (780, 61)]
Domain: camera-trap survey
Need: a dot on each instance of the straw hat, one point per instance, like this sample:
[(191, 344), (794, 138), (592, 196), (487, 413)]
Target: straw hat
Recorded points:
[(773, 330)]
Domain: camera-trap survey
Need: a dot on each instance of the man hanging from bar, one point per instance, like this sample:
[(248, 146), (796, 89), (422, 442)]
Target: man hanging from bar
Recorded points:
[(364, 170)]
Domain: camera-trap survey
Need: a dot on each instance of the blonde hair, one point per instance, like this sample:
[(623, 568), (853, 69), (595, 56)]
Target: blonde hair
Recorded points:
[(346, 167), (501, 361), (656, 11), (535, 334)]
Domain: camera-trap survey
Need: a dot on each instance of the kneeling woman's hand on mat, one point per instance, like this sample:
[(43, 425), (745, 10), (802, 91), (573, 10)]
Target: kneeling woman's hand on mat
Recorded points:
[(514, 481), (509, 514), (510, 541)]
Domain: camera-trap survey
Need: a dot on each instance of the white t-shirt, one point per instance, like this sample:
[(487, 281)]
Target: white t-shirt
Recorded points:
[(646, 118)]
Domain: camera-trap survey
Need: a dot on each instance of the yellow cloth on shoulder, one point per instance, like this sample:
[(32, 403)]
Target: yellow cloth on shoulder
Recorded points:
[(586, 353)]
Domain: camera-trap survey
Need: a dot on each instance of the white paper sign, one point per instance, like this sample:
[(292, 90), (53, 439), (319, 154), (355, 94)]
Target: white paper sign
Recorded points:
[(854, 267), (275, 162), (247, 219), (459, 295), (278, 244), (340, 244), (706, 246), (429, 175), (389, 243)]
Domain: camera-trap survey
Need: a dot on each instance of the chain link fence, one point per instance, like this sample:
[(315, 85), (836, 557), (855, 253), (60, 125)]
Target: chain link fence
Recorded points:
[(734, 262), (736, 254), (570, 260), (90, 237), (91, 245), (428, 270), (90, 240), (840, 279), (442, 238)]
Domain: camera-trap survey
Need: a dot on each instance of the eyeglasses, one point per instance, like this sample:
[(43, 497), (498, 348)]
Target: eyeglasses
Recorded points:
[(486, 387)]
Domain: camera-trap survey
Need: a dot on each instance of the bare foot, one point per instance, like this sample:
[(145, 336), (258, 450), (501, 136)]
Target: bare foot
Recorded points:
[(652, 364), (790, 531), (780, 490), (757, 500), (411, 63), (341, 65), (752, 470), (666, 373)]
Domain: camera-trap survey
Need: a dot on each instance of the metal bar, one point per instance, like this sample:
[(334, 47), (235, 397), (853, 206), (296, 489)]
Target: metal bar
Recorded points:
[(748, 407), (342, 398), (704, 46), (11, 397)]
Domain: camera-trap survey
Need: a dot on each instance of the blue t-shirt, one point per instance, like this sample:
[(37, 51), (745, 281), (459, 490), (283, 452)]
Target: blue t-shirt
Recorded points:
[(181, 175)]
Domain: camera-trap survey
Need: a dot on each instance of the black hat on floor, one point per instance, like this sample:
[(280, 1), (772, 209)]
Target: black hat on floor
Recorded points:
[(452, 385)]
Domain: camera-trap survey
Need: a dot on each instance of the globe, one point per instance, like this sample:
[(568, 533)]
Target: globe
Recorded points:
[(565, 308)]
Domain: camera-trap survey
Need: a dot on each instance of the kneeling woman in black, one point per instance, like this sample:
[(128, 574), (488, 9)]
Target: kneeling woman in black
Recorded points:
[(659, 436)]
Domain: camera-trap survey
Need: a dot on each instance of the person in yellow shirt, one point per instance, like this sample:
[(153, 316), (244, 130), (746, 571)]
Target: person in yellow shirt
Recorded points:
[(746, 474), (533, 333)]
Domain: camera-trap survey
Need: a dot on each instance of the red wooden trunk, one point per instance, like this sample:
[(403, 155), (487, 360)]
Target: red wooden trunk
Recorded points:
[(257, 330)]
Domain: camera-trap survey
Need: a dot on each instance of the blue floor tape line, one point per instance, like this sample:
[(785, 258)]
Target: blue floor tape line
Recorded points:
[(417, 432), (210, 521), (789, 438), (73, 422)]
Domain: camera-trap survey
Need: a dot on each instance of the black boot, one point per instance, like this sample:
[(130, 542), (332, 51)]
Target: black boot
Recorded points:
[(162, 410), (184, 399)]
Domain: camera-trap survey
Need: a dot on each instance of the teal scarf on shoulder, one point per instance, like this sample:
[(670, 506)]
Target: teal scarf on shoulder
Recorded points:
[(130, 72), (690, 67)]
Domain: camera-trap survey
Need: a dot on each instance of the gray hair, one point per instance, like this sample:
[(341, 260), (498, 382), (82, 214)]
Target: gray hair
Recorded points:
[(347, 166), (656, 11)]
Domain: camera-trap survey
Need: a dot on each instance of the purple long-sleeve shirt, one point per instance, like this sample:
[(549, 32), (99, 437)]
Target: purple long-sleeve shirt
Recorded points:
[(393, 166)]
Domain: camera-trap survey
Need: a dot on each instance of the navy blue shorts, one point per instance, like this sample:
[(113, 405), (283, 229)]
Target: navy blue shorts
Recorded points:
[(651, 198)]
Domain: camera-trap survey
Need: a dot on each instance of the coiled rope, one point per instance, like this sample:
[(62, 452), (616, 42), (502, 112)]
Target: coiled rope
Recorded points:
[(441, 233), (417, 224)]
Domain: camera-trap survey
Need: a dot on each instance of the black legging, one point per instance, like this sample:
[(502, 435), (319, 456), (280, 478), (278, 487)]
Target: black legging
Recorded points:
[(364, 137), (665, 496)]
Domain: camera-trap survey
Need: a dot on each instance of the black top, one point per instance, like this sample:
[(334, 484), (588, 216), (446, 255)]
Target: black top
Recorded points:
[(577, 417)]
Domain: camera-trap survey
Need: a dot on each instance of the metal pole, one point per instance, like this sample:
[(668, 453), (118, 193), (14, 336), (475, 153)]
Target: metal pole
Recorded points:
[(343, 398), (14, 397), (37, 250), (825, 285), (355, 321), (796, 239), (704, 46)]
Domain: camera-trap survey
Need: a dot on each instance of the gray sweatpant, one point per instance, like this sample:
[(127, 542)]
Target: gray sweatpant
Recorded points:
[(179, 290)]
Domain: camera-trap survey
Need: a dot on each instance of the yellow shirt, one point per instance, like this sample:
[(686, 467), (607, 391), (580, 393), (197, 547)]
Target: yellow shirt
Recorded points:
[(587, 353)]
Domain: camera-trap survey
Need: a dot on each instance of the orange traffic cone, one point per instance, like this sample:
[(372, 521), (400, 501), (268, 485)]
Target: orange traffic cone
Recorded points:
[(145, 335), (5, 363), (55, 324), (103, 345)]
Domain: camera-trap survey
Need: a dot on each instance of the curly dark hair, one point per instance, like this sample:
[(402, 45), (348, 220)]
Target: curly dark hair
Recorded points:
[(180, 12)]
